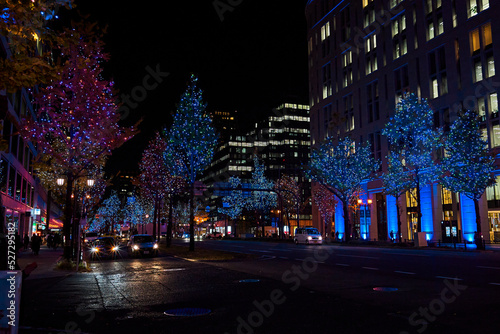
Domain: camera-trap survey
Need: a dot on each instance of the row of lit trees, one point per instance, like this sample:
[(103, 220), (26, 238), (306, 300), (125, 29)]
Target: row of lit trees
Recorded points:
[(419, 154), (75, 120)]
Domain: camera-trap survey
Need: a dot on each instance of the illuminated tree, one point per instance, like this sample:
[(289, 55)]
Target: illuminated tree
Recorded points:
[(111, 211), (191, 142), (342, 167), (413, 139), (76, 120), (234, 203), (25, 25), (326, 202), (289, 191), (397, 181), (155, 181), (468, 165)]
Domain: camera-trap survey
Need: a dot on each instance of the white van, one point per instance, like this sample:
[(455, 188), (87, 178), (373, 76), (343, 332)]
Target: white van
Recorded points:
[(307, 235)]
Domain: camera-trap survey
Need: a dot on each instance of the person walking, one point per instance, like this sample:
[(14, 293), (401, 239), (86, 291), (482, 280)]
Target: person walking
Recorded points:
[(35, 244), (57, 240), (26, 242)]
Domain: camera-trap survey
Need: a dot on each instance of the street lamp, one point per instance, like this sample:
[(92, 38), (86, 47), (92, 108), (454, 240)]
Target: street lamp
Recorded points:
[(366, 214), (60, 181)]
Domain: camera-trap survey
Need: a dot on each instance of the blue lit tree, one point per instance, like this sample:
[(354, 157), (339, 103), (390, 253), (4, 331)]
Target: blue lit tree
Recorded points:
[(289, 191), (234, 203), (110, 211), (325, 201), (414, 141), (342, 167), (397, 181), (468, 164), (191, 142)]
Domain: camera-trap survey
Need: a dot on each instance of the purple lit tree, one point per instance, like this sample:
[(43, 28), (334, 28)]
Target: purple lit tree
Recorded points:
[(77, 118)]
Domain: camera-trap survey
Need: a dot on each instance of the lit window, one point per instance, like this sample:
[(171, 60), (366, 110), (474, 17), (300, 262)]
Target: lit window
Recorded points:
[(474, 41), (478, 70), (494, 102), (496, 135), (490, 63), (487, 38)]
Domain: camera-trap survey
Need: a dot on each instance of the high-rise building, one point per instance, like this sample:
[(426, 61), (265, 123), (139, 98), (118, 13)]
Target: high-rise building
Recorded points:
[(365, 54)]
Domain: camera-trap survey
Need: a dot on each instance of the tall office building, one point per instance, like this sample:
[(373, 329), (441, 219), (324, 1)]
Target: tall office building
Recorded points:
[(365, 54)]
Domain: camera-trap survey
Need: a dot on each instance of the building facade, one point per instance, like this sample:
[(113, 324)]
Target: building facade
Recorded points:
[(365, 54)]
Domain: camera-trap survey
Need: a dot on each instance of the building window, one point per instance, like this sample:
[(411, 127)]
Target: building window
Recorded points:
[(372, 94), (399, 36), (345, 24), (401, 82), (327, 80), (478, 69), (493, 104), (496, 134), (394, 3), (475, 7), (325, 39), (371, 54), (347, 68), (349, 113), (490, 66), (437, 73)]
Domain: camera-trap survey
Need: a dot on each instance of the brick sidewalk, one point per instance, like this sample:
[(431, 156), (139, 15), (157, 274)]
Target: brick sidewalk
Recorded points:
[(46, 261)]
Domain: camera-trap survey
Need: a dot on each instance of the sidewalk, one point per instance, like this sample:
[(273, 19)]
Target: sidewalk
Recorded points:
[(46, 261)]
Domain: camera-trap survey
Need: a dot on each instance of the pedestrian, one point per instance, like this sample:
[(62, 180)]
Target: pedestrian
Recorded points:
[(392, 235), (57, 240), (35, 244), (26, 242), (337, 235), (50, 240)]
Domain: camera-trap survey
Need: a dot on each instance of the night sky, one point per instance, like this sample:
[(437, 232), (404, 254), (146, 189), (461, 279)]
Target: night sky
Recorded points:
[(250, 61)]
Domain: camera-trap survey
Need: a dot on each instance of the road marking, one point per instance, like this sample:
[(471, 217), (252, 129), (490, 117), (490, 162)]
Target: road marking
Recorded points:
[(484, 267), (174, 269), (452, 278), (404, 272), (342, 264), (369, 268), (495, 283), (359, 256), (267, 257), (406, 254)]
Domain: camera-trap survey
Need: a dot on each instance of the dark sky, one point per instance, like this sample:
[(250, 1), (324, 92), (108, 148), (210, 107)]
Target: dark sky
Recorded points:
[(250, 61)]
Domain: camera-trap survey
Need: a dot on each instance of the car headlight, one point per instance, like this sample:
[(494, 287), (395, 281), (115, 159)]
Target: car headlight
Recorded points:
[(309, 238), (135, 247), (115, 248), (320, 238), (155, 246), (95, 250)]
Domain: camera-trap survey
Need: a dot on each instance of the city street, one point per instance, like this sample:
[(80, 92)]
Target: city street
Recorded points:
[(284, 288)]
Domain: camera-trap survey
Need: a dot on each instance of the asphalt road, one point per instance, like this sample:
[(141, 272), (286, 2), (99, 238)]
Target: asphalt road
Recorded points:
[(284, 289)]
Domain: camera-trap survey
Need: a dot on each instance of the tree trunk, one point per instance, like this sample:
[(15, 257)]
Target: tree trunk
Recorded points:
[(159, 219), (155, 210), (191, 218), (419, 209), (347, 225), (478, 240), (170, 215), (399, 219), (67, 219), (49, 195)]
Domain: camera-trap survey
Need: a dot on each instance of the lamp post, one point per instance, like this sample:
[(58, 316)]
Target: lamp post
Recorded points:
[(366, 212), (83, 219)]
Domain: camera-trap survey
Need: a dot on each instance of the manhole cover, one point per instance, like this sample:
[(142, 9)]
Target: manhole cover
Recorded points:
[(249, 280), (187, 312), (384, 289)]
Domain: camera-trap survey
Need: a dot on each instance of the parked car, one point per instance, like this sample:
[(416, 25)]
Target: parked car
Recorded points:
[(142, 244), (185, 236), (307, 235), (214, 235), (104, 247)]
